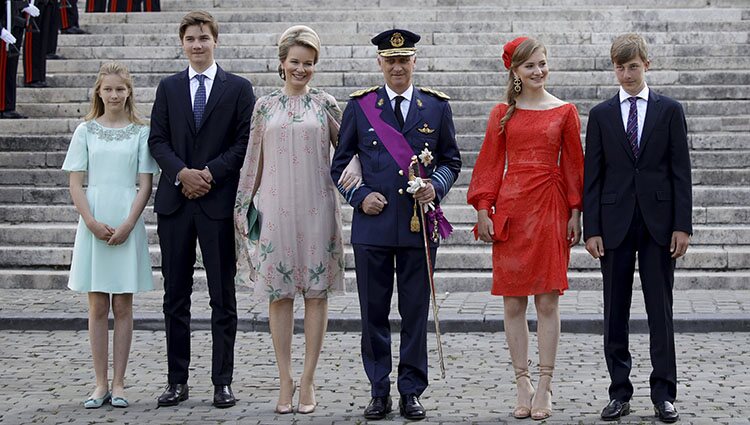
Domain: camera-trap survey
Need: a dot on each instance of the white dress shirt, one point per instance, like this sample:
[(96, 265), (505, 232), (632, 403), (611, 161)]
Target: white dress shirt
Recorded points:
[(210, 74), (404, 103), (641, 104)]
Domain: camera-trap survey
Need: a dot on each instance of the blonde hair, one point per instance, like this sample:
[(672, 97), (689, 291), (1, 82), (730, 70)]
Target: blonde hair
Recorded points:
[(627, 47), (522, 53), (297, 35), (97, 105)]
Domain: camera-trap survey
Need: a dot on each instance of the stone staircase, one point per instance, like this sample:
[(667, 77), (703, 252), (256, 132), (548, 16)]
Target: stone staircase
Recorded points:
[(699, 54)]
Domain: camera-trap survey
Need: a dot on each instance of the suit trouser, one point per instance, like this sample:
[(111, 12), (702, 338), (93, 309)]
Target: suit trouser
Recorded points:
[(374, 265), (54, 30), (177, 237), (96, 6), (9, 70), (656, 269), (36, 44), (69, 14)]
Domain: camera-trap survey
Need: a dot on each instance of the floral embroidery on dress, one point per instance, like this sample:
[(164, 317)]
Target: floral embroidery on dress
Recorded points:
[(112, 134)]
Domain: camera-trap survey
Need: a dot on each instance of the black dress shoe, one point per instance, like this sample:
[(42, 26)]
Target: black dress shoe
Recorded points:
[(173, 395), (36, 84), (12, 115), (378, 407), (615, 409), (223, 396), (73, 30), (54, 56), (410, 407), (666, 412)]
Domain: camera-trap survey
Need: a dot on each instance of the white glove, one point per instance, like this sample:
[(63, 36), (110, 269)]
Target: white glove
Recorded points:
[(31, 10), (7, 37)]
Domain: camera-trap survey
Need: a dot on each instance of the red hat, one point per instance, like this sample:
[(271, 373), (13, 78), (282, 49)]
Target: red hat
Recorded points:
[(510, 48)]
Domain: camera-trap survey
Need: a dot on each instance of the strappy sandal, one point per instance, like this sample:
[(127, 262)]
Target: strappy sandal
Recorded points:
[(542, 413), (523, 411)]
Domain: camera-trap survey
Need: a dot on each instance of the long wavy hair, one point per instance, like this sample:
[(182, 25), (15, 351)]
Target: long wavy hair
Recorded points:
[(97, 105), (522, 53)]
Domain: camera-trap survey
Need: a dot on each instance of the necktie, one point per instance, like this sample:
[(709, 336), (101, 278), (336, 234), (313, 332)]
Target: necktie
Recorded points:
[(199, 104), (632, 130), (399, 114)]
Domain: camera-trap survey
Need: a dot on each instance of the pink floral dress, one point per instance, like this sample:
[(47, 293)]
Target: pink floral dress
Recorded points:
[(288, 160)]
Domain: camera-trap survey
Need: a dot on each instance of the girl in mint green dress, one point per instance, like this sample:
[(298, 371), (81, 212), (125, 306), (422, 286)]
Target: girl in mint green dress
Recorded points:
[(110, 256)]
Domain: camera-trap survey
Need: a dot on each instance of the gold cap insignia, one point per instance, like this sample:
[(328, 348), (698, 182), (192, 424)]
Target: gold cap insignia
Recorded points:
[(397, 40)]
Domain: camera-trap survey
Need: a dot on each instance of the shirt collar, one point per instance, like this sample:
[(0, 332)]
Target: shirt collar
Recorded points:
[(406, 95), (643, 94), (210, 73)]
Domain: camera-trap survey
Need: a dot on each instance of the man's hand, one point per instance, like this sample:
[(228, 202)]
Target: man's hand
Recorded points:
[(374, 203), (195, 183), (595, 246), (485, 228), (425, 194), (32, 10), (679, 245)]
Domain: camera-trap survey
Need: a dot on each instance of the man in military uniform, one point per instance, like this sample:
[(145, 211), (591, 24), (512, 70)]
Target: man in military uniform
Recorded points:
[(386, 126), (11, 41), (36, 44)]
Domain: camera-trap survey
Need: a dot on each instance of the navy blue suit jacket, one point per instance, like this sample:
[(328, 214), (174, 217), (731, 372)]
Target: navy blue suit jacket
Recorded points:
[(220, 142), (658, 180), (380, 171)]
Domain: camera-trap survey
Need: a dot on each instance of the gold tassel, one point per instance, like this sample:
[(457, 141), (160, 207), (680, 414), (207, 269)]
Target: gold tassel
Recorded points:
[(414, 224)]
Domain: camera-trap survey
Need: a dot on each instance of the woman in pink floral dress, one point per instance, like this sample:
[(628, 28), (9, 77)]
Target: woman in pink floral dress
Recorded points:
[(286, 178)]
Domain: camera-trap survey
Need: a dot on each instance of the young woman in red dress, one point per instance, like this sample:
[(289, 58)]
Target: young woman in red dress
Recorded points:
[(531, 212)]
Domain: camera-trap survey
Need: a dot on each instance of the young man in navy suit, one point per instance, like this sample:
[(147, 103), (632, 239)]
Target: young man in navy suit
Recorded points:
[(378, 123), (637, 198), (200, 124)]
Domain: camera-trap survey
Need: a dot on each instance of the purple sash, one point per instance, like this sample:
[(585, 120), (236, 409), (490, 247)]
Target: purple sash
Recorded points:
[(401, 151)]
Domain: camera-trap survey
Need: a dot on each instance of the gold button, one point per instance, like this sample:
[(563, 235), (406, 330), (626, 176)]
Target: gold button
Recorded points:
[(401, 191), (374, 142), (400, 172)]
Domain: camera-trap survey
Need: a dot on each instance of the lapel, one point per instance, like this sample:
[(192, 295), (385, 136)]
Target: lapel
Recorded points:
[(652, 113), (415, 114), (217, 90), (185, 101), (615, 117), (386, 111)]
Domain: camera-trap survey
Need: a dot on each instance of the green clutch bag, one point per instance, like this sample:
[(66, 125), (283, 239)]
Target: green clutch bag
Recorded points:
[(253, 223)]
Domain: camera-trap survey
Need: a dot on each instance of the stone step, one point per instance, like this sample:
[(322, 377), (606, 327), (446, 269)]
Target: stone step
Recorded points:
[(461, 108), (145, 96), (63, 234), (15, 144), (458, 213), (463, 125), (119, 34), (408, 12), (445, 281), (54, 182), (434, 33), (454, 258)]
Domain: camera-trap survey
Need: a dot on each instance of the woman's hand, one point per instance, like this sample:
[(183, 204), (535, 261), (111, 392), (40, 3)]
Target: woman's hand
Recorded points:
[(120, 235), (574, 228), (100, 230), (352, 175), (485, 228)]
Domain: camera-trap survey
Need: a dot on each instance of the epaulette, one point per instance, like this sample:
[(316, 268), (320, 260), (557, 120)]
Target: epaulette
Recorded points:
[(359, 93), (436, 93)]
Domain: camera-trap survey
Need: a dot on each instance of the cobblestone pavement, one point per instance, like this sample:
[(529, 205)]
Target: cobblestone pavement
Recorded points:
[(47, 374)]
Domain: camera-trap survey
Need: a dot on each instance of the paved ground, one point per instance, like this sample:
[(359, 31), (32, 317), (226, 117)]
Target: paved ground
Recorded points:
[(47, 374), (581, 311)]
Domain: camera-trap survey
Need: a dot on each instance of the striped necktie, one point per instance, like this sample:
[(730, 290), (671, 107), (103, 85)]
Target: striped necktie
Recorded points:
[(632, 130), (199, 104)]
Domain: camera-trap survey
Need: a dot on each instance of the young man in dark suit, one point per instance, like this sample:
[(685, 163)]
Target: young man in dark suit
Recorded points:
[(637, 198), (200, 124)]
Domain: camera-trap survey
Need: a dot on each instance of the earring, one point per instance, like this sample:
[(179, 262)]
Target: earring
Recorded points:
[(516, 84), (281, 73)]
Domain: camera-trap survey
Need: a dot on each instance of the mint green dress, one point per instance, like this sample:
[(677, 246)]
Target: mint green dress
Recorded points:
[(112, 159)]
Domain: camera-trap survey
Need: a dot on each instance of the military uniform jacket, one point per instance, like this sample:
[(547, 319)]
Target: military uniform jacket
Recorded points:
[(429, 124)]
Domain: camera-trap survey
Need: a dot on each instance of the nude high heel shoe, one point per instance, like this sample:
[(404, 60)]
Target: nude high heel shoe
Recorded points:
[(523, 407), (543, 412), (286, 408), (307, 408)]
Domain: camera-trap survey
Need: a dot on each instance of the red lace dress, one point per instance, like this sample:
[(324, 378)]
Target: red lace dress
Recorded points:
[(532, 199)]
